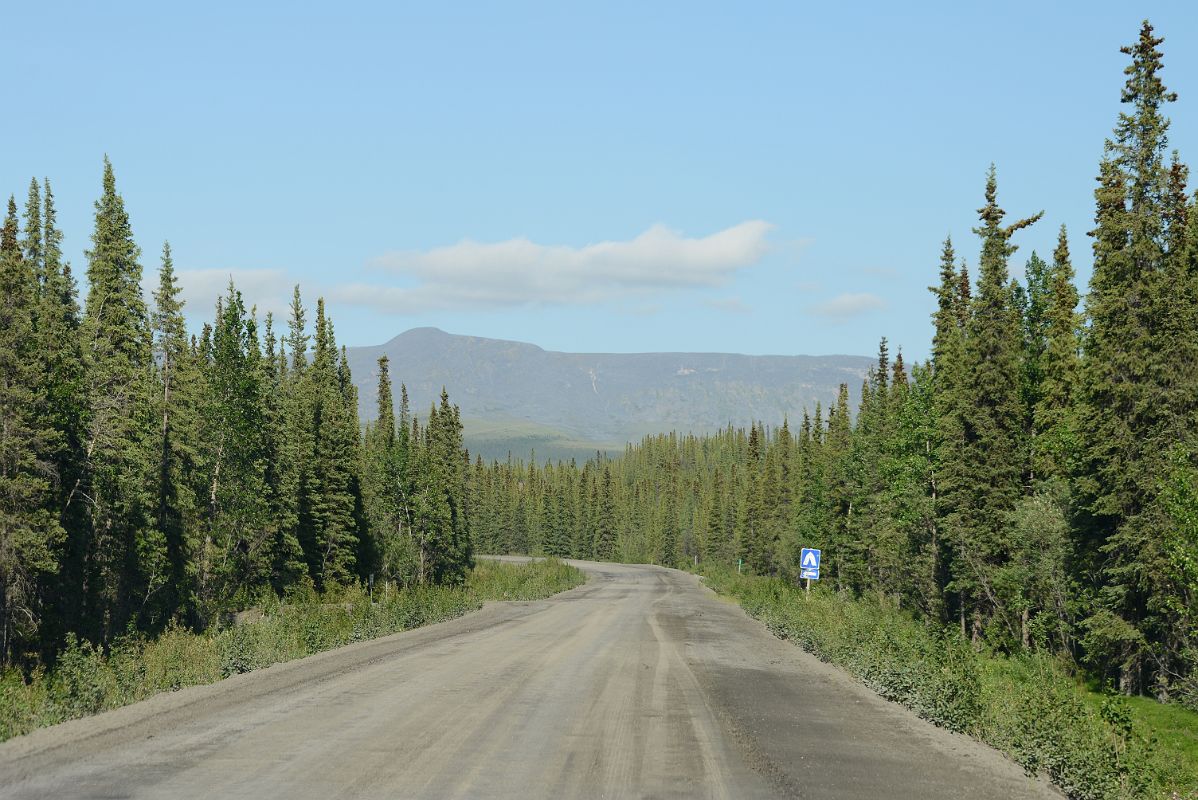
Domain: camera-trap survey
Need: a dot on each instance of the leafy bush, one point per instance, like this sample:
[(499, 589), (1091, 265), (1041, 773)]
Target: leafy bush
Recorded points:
[(177, 659)]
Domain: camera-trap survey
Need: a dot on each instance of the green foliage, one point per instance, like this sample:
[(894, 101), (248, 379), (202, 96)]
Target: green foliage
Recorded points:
[(1054, 423), (1174, 604), (992, 464), (30, 533), (1138, 383), (1173, 739), (149, 482), (125, 562), (496, 580)]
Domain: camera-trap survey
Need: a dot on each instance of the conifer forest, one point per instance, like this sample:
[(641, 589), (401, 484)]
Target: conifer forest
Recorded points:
[(150, 477), (1032, 486)]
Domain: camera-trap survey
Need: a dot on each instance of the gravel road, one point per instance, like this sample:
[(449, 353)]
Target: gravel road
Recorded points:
[(642, 683)]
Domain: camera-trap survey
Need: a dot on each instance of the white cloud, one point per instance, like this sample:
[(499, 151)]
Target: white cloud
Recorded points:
[(731, 304), (848, 305), (519, 272), (268, 289)]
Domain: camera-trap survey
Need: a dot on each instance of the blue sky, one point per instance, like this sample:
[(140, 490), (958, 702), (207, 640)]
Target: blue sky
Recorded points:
[(750, 177)]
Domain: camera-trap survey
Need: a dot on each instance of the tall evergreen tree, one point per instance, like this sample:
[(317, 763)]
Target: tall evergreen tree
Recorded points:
[(753, 514), (1138, 383), (286, 557), (237, 553), (126, 560), (176, 402), (297, 445), (33, 243), (993, 421), (383, 483), (605, 524), (30, 533), (334, 461), (1054, 417), (59, 345)]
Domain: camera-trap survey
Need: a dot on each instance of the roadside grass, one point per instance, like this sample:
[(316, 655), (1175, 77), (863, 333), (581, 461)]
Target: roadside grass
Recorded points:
[(1092, 747), (86, 680), (499, 580), (1174, 733)]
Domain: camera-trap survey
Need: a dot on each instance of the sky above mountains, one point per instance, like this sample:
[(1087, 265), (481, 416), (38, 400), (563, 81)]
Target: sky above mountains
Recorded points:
[(758, 178)]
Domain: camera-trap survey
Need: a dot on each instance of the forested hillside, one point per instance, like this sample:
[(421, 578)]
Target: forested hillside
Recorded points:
[(1034, 484), (150, 478)]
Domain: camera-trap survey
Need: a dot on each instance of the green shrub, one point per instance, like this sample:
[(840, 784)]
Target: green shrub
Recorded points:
[(81, 681), (176, 659), (22, 702), (497, 580)]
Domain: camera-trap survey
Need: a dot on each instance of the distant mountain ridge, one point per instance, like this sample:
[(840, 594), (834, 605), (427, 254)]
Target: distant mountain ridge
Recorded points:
[(516, 396)]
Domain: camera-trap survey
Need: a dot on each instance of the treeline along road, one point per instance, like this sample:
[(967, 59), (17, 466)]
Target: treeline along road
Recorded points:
[(640, 683)]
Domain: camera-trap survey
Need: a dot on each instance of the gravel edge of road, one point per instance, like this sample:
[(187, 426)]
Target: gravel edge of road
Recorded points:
[(847, 679), (53, 737)]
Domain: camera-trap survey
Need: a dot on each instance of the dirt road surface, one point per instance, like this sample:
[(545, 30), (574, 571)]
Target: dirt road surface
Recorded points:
[(642, 683)]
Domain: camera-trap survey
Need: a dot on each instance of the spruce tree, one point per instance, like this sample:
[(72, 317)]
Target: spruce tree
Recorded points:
[(382, 486), (605, 524), (30, 533), (1137, 384), (752, 513), (286, 557), (367, 553), (994, 445), (669, 525), (812, 512), (556, 537), (841, 490), (176, 399), (59, 345), (449, 547), (297, 445), (718, 536), (127, 566), (1032, 305), (1054, 418), (334, 462), (33, 243), (236, 554)]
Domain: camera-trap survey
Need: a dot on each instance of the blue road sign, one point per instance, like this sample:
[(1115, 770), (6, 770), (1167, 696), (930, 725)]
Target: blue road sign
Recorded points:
[(809, 559), (809, 563)]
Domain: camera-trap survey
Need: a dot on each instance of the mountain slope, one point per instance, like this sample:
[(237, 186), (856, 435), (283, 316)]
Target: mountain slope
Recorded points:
[(517, 394)]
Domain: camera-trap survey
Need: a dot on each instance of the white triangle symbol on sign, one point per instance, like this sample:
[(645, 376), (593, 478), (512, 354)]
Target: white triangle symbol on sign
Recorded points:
[(809, 560)]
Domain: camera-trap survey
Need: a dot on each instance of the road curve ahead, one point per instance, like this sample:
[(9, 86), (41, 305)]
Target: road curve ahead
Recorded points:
[(641, 683)]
